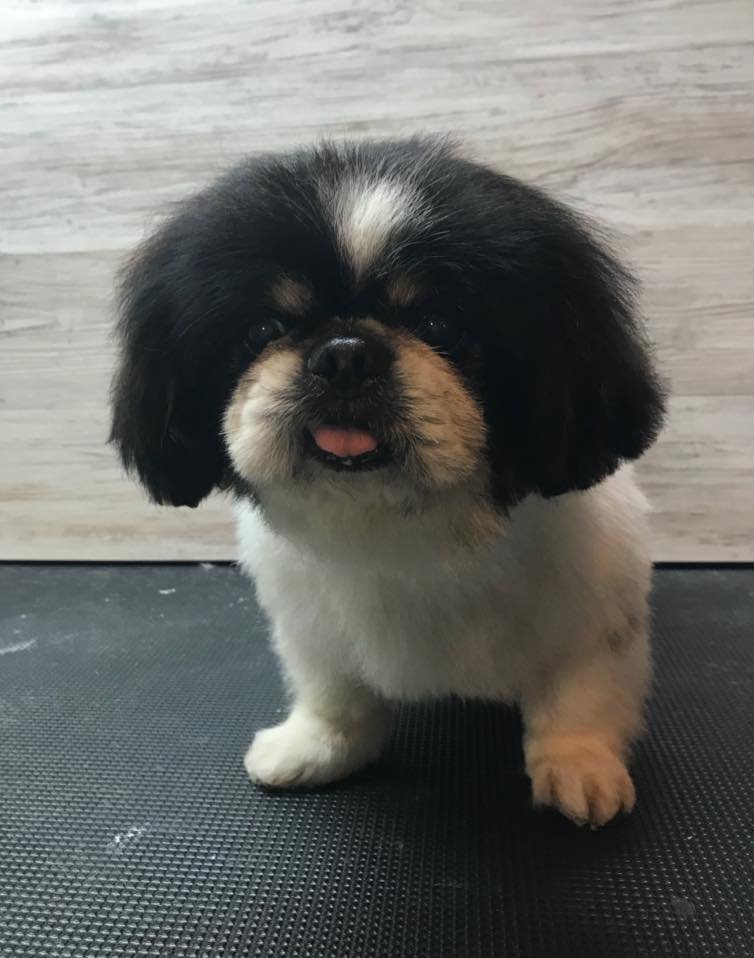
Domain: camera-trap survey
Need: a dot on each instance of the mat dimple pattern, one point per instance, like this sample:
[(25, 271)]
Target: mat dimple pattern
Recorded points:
[(128, 828)]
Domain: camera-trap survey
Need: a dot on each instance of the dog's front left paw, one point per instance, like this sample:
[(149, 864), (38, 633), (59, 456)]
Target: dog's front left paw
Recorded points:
[(585, 781), (306, 751)]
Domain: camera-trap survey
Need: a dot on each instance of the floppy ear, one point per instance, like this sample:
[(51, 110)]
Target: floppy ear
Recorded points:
[(164, 414), (570, 383)]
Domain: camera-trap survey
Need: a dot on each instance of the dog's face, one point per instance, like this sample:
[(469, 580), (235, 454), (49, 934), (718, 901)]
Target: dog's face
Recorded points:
[(379, 385), (381, 310)]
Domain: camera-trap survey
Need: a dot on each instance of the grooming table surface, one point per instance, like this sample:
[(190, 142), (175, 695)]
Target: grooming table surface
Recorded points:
[(128, 695)]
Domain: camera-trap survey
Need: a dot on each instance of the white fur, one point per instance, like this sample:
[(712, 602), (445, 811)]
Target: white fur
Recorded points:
[(366, 213), (369, 606)]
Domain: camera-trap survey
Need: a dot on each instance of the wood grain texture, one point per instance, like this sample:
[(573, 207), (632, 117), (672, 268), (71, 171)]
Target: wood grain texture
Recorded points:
[(640, 113)]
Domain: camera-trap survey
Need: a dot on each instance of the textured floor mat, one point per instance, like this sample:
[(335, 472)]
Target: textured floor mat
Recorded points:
[(128, 828)]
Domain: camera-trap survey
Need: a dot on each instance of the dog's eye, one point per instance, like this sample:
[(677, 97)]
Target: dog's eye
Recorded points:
[(439, 332), (265, 332)]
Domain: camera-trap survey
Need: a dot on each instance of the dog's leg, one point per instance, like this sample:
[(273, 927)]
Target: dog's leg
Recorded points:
[(580, 723), (335, 727)]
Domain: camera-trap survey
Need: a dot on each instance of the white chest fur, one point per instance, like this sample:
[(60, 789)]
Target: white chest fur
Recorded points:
[(412, 616)]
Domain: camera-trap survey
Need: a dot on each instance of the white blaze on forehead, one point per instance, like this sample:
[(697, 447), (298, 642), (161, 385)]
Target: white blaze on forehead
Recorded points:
[(367, 213)]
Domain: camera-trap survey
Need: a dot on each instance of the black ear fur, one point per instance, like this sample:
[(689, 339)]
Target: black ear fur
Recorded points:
[(570, 386), (164, 415)]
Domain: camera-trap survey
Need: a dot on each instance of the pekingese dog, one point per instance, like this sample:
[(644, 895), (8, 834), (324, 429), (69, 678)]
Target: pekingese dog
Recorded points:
[(419, 379)]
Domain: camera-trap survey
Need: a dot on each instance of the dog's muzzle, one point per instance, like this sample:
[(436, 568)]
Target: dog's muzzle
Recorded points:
[(348, 369)]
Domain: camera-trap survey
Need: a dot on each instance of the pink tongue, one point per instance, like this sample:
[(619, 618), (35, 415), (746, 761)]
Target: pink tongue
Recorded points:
[(344, 443)]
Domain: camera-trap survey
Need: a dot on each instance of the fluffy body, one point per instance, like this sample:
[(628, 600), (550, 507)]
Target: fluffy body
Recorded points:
[(549, 613), (478, 342)]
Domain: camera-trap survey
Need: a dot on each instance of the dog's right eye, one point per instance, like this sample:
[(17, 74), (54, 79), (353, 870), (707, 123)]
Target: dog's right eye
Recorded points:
[(263, 333)]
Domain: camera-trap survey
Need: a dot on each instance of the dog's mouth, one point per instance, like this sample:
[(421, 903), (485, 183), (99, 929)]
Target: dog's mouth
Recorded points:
[(349, 448)]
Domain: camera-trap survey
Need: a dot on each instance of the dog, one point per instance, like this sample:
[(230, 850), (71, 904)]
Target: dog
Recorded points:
[(423, 383)]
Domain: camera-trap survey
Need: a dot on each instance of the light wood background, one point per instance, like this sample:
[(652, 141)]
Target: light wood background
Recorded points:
[(638, 111)]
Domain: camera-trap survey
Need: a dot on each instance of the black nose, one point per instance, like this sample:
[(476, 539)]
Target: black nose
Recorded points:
[(347, 362)]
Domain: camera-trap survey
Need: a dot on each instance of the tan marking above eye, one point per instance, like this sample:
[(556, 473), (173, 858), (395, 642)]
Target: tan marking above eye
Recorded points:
[(291, 295), (402, 291)]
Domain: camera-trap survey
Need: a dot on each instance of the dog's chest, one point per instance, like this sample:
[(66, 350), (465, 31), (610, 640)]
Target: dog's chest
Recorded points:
[(410, 630), (419, 637)]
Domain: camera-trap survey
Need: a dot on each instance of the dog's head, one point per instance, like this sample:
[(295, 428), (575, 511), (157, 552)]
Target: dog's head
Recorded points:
[(382, 312)]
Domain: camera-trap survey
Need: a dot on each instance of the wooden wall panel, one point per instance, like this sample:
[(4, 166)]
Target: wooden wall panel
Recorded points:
[(640, 113)]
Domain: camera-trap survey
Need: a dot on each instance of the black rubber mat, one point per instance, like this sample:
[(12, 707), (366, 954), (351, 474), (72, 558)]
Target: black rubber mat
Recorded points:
[(128, 828)]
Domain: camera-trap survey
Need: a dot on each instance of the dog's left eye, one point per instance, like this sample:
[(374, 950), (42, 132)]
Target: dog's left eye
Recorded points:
[(265, 332), (439, 332)]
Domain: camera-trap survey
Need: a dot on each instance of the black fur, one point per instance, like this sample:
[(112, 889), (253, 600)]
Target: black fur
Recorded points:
[(548, 336)]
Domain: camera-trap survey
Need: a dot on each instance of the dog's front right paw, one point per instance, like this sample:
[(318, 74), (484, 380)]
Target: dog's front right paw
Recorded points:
[(284, 757), (306, 751)]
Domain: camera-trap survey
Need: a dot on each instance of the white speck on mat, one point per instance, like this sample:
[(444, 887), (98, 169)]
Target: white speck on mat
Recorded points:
[(122, 839), (167, 591), (207, 565), (18, 647)]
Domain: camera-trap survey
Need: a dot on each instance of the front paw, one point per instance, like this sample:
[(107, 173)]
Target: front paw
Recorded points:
[(306, 751), (582, 779)]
